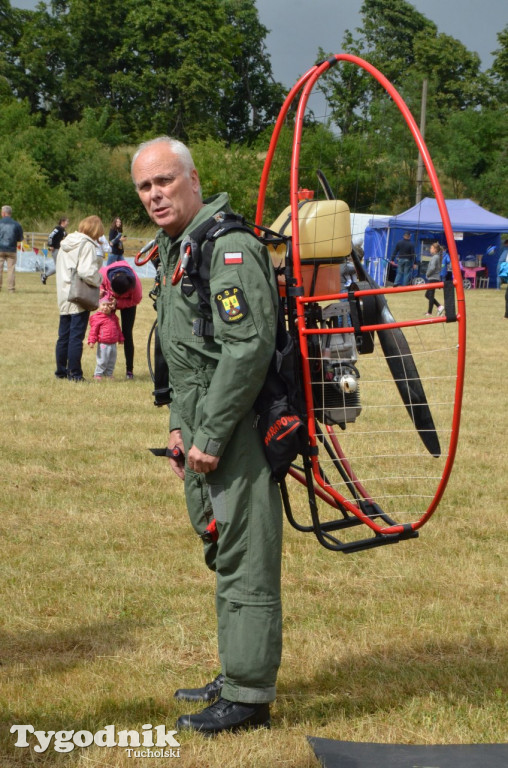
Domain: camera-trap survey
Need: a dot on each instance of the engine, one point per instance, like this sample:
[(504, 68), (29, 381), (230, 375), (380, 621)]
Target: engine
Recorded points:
[(335, 377)]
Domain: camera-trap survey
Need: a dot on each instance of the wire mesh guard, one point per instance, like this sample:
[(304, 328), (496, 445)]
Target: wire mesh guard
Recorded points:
[(383, 386), (377, 441)]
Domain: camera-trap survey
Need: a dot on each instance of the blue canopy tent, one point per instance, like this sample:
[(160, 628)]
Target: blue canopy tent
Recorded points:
[(476, 230)]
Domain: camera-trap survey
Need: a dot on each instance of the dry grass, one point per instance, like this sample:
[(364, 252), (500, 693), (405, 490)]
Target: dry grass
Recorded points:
[(106, 606)]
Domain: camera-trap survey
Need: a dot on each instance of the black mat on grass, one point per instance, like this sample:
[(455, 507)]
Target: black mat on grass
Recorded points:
[(349, 754)]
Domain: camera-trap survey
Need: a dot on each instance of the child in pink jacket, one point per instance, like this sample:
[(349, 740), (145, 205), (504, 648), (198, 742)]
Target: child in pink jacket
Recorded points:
[(122, 282), (105, 330)]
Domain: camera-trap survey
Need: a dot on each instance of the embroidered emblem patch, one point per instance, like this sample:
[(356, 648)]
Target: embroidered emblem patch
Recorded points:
[(231, 305), (233, 257)]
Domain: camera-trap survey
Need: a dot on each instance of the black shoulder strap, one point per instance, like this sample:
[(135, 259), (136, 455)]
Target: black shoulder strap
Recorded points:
[(222, 223), (202, 241)]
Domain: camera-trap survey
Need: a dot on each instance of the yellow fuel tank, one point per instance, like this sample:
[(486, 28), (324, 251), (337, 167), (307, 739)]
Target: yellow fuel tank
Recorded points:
[(325, 235), (325, 229)]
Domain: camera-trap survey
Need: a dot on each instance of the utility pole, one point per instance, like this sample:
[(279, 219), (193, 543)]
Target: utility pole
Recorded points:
[(419, 170)]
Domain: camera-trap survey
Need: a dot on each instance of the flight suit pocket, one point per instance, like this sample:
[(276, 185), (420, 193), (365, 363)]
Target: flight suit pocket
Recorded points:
[(218, 499), (254, 642), (189, 397)]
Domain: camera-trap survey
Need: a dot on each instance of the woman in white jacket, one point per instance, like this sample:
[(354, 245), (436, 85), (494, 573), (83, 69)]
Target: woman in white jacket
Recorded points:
[(77, 251)]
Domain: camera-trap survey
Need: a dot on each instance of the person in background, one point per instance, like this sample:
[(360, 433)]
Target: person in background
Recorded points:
[(102, 247), (216, 375), (105, 331), (446, 266), (54, 240), (116, 239), (433, 276), (11, 233), (404, 258), (347, 273), (121, 281), (78, 251), (502, 266)]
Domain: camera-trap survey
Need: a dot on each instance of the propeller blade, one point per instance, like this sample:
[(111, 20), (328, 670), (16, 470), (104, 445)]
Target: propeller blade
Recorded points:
[(405, 374), (398, 356), (403, 368)]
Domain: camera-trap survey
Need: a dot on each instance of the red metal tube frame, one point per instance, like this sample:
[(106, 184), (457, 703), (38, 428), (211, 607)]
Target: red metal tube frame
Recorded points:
[(307, 82)]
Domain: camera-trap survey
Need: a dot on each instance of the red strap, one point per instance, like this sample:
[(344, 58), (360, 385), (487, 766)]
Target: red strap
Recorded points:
[(211, 529)]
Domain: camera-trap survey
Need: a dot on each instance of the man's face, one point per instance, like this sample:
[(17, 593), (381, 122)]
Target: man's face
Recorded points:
[(169, 193)]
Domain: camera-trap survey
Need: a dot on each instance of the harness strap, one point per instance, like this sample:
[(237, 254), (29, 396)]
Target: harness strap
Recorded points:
[(449, 301), (202, 327), (356, 314), (202, 242), (199, 245)]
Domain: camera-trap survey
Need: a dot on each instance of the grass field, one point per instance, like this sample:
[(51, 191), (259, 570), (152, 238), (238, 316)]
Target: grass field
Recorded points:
[(106, 607)]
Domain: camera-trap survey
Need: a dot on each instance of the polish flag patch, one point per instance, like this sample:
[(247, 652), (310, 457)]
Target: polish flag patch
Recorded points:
[(233, 257)]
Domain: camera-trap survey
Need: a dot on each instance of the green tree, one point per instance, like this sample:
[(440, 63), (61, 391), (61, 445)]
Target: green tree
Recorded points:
[(101, 181), (253, 99), (25, 187), (453, 72), (6, 29), (376, 147), (471, 152), (234, 169), (319, 150), (388, 33), (191, 68), (406, 47), (39, 56), (385, 40), (81, 81), (347, 88), (177, 63), (499, 70), (23, 180), (68, 53)]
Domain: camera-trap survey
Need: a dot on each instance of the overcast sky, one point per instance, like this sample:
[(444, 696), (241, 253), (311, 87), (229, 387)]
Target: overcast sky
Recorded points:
[(299, 27)]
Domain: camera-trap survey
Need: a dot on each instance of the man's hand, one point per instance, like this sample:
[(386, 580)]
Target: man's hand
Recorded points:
[(201, 462), (177, 464)]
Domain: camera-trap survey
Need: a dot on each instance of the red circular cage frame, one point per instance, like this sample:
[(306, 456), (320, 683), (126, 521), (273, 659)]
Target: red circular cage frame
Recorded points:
[(305, 85)]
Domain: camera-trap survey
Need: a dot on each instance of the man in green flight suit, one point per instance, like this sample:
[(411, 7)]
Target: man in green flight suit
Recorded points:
[(215, 381)]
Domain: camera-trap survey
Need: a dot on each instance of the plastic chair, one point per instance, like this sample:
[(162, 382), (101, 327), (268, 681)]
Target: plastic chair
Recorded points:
[(483, 281)]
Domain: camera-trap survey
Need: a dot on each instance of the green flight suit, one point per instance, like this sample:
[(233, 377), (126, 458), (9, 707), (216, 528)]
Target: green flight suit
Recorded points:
[(215, 383)]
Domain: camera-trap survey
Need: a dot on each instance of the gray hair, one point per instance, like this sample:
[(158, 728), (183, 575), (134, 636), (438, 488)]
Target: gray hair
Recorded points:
[(7, 209), (177, 147)]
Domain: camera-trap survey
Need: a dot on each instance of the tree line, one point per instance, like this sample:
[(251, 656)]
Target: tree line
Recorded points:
[(83, 81)]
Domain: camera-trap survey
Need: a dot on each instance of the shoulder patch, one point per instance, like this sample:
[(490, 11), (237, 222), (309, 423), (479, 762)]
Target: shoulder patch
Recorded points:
[(233, 257), (231, 305)]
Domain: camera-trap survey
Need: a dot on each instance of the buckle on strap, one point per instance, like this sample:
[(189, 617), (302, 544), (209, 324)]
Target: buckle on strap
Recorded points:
[(202, 327)]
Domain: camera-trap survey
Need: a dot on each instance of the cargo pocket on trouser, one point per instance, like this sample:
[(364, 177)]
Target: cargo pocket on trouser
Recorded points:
[(218, 501), (253, 642), (200, 511)]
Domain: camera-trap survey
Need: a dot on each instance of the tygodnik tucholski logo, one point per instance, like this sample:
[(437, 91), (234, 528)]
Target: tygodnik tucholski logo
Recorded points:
[(151, 742)]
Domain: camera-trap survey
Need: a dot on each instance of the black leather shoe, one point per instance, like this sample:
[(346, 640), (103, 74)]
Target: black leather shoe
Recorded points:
[(208, 692), (224, 715)]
